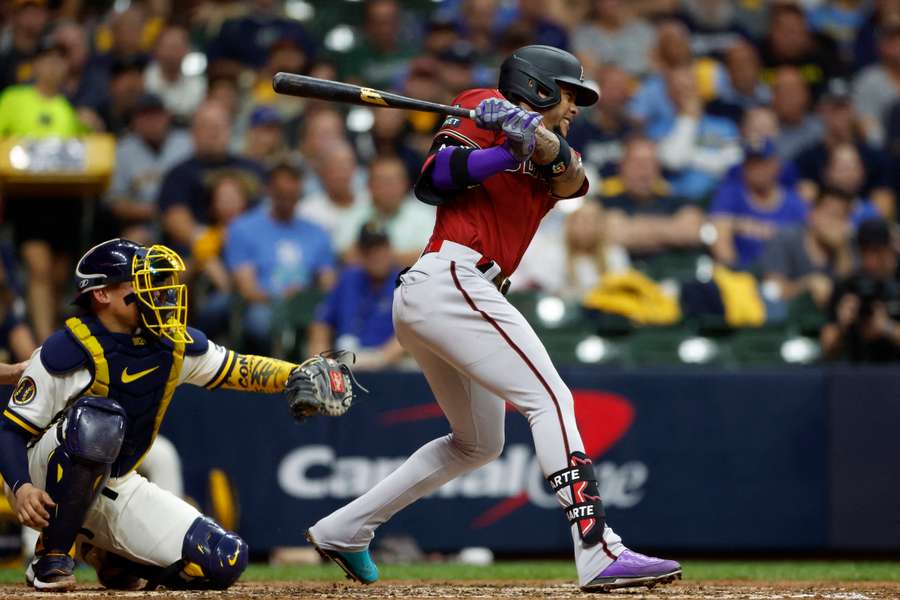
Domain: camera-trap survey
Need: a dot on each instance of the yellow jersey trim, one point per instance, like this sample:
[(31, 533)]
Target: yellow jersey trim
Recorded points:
[(224, 371), (20, 422)]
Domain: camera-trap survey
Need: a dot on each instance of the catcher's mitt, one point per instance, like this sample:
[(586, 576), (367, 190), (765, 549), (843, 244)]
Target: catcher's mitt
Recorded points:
[(320, 385)]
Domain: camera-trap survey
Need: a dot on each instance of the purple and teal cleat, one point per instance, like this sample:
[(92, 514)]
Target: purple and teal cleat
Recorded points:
[(632, 569), (358, 566)]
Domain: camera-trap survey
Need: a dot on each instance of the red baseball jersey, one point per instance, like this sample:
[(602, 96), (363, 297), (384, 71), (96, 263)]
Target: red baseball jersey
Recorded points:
[(497, 218)]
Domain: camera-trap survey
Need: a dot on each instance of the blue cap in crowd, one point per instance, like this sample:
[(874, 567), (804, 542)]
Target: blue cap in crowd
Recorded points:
[(264, 115), (759, 148)]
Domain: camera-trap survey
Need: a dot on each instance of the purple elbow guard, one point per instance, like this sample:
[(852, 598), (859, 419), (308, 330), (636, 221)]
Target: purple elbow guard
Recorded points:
[(457, 168)]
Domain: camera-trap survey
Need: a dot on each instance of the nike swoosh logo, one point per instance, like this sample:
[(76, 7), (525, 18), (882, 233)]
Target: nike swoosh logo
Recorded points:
[(233, 559), (129, 377)]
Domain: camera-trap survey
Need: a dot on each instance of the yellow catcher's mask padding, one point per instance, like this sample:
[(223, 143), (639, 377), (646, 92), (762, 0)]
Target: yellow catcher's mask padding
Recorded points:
[(162, 297)]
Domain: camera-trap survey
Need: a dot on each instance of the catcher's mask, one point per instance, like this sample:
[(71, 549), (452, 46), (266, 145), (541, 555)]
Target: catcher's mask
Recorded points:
[(161, 297)]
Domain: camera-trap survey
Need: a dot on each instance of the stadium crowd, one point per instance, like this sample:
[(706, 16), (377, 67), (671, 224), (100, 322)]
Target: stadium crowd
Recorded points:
[(743, 160)]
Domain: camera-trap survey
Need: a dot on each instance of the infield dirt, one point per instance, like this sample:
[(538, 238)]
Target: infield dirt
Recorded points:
[(440, 590)]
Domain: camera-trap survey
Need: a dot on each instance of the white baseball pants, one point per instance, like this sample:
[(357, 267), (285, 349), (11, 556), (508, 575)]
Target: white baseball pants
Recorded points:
[(477, 352)]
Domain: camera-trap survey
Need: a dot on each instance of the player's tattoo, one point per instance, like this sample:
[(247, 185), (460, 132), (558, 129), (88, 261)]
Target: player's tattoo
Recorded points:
[(547, 146), (545, 151), (258, 374)]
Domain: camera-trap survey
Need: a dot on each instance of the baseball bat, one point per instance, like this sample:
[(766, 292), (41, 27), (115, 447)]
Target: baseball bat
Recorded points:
[(292, 84)]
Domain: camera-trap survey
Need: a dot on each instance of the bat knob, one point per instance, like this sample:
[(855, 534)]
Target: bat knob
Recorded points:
[(277, 81)]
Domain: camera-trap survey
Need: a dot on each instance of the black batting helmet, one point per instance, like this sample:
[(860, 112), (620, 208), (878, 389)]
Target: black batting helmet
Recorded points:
[(534, 73)]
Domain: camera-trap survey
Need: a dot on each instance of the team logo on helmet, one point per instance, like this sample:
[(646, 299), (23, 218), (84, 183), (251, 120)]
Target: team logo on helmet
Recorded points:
[(25, 392)]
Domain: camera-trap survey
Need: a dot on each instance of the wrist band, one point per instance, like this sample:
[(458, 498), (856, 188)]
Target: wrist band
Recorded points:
[(560, 163)]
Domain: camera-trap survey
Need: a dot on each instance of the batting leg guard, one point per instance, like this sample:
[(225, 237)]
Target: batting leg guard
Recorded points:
[(212, 559), (90, 439), (577, 487)]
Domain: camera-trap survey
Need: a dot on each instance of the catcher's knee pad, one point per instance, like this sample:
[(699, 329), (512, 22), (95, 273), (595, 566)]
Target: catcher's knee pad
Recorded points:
[(94, 430), (77, 470), (577, 486), (215, 557)]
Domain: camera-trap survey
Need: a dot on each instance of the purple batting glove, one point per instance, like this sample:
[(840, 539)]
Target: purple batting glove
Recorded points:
[(520, 128), (491, 112)]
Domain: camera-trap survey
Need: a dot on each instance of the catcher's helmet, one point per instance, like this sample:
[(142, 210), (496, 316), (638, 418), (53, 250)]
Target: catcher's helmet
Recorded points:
[(533, 74), (104, 264), (155, 274)]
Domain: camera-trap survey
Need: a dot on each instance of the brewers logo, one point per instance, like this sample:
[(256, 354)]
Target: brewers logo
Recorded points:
[(24, 392)]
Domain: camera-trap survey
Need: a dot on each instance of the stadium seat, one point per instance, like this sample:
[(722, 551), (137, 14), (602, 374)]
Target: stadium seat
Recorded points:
[(290, 321), (758, 347), (661, 346)]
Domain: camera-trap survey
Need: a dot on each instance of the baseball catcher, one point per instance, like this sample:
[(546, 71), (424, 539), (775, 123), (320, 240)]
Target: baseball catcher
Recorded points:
[(88, 407)]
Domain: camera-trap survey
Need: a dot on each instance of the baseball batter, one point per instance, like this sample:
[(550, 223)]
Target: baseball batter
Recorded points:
[(493, 180), (88, 408)]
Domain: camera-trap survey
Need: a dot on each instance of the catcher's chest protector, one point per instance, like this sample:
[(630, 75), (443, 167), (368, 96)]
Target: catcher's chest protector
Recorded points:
[(139, 373)]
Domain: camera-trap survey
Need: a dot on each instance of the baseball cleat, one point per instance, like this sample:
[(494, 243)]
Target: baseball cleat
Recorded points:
[(632, 569), (358, 566), (51, 572)]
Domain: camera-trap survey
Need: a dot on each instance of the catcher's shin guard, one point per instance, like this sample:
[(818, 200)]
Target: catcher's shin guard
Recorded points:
[(77, 470), (212, 559), (577, 487)]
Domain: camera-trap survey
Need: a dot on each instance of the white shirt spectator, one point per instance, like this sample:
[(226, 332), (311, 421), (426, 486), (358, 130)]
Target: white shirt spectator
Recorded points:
[(408, 230), (182, 96)]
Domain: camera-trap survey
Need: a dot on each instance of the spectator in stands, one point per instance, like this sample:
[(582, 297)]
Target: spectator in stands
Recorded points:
[(791, 43), (16, 339), (652, 105), (356, 314), (322, 129), (143, 156), (244, 41), (864, 311), (407, 221), (713, 25), (599, 133), (383, 51), (807, 259), (388, 138), (698, 148), (642, 215), (571, 264), (846, 172), (839, 20), (27, 23), (288, 56), (332, 208), (615, 36), (455, 67), (213, 286), (744, 88), (480, 23), (865, 47), (87, 82), (843, 127), (181, 93), (273, 254), (126, 84), (264, 140), (875, 88), (185, 192), (40, 110), (129, 36), (534, 18), (798, 128), (749, 212)]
